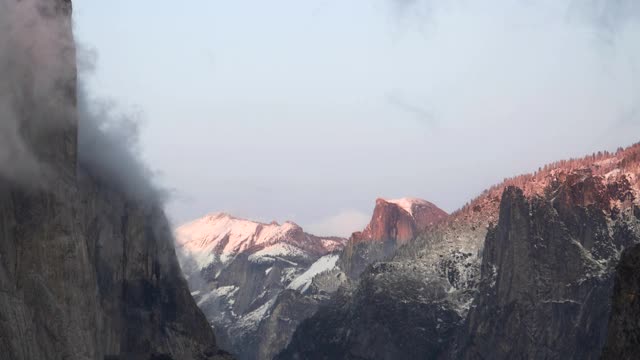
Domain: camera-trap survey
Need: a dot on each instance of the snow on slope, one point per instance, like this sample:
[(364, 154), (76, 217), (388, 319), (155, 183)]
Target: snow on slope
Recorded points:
[(277, 250), (250, 321), (227, 291), (229, 234), (219, 237), (325, 263)]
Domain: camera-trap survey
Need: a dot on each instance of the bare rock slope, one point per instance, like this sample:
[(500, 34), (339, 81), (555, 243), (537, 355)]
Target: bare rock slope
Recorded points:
[(623, 337)]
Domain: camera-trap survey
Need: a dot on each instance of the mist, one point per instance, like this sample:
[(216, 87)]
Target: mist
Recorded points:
[(47, 112), (108, 146), (35, 58)]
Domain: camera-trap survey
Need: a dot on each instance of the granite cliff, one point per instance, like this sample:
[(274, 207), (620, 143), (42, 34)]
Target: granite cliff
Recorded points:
[(87, 267), (623, 335), (393, 224)]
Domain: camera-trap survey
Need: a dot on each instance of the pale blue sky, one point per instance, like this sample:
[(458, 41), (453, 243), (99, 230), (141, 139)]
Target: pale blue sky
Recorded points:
[(309, 110)]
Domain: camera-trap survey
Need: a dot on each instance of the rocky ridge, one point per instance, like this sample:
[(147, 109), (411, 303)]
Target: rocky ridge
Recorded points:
[(451, 260), (546, 273)]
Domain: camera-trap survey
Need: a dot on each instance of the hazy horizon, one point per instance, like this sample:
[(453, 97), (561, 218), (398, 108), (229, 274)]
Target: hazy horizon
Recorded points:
[(310, 111)]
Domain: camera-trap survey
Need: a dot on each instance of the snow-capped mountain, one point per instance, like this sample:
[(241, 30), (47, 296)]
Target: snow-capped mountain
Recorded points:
[(215, 240), (237, 268)]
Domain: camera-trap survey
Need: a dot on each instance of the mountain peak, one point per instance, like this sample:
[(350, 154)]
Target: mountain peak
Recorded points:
[(400, 219), (408, 204), (217, 216), (221, 235)]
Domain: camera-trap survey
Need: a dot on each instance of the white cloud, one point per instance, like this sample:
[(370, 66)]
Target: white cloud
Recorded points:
[(342, 224)]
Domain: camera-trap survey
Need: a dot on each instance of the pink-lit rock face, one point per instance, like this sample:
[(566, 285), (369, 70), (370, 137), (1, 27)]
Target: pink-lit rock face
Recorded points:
[(400, 220)]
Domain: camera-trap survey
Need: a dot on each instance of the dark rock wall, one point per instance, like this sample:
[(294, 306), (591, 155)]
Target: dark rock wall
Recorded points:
[(85, 271), (623, 338), (546, 276), (382, 319)]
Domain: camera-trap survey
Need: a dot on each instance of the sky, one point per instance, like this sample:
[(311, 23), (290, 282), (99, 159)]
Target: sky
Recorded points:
[(310, 110)]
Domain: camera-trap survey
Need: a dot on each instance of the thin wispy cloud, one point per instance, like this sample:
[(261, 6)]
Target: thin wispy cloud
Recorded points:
[(420, 114)]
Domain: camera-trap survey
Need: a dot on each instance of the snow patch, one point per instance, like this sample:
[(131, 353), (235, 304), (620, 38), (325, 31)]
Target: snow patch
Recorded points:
[(407, 203), (224, 291), (289, 274), (278, 250), (302, 282), (253, 319), (332, 245)]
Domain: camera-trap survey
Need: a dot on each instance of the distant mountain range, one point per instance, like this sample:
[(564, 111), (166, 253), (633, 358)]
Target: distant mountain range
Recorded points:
[(420, 283), (237, 268), (243, 273)]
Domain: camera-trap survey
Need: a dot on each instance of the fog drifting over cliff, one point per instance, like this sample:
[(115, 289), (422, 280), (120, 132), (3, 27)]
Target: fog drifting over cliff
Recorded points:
[(46, 111)]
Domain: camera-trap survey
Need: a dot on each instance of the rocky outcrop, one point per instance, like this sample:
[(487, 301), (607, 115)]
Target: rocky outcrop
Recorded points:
[(388, 316), (87, 271), (289, 310), (394, 223), (399, 221), (547, 272), (623, 338)]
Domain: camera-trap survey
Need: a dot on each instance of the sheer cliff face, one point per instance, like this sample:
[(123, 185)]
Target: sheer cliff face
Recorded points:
[(85, 271), (399, 221), (394, 223), (623, 338), (547, 271)]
